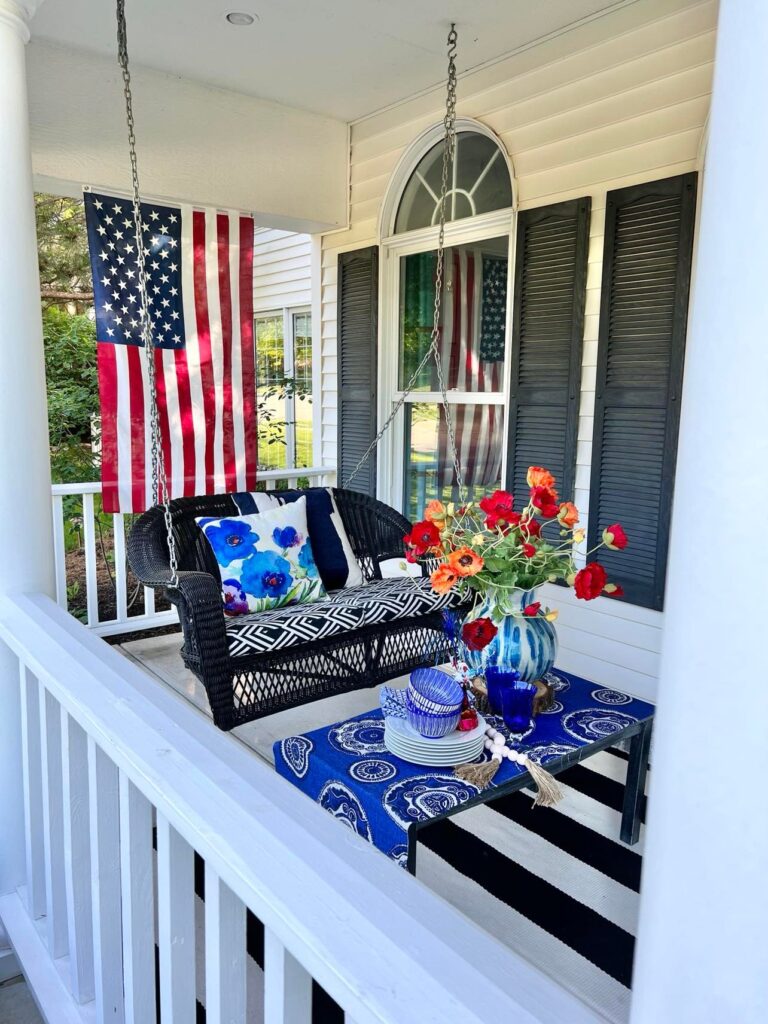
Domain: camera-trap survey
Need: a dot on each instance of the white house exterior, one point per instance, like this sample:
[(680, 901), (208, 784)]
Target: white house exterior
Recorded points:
[(584, 99)]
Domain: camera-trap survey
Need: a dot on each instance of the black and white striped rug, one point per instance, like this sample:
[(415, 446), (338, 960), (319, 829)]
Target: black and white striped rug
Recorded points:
[(555, 884)]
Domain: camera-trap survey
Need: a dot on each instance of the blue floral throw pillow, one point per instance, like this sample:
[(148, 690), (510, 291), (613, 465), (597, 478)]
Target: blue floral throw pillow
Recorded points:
[(265, 560)]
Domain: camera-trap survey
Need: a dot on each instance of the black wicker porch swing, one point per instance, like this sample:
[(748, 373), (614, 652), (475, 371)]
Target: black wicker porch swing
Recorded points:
[(257, 664)]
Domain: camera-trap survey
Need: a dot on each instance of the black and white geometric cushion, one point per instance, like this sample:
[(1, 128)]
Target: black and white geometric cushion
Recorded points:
[(380, 601)]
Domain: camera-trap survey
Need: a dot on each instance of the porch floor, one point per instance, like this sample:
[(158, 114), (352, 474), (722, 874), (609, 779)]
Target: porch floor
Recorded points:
[(556, 885), (16, 1003)]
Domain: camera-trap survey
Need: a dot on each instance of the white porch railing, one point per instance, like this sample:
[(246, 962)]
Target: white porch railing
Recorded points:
[(108, 756), (114, 548)]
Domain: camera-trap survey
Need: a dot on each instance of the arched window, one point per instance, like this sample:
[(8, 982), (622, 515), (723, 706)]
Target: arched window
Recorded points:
[(479, 184)]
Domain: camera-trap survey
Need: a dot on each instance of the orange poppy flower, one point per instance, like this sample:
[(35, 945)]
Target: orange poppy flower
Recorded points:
[(435, 511), (568, 514), (540, 477), (443, 578), (465, 562)]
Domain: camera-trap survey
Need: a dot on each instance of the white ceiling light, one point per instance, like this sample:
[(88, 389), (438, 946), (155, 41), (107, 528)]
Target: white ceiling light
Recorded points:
[(240, 18)]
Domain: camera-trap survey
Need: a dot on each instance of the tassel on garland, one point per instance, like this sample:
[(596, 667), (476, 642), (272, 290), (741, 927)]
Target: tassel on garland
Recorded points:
[(548, 791), (480, 775), (548, 788)]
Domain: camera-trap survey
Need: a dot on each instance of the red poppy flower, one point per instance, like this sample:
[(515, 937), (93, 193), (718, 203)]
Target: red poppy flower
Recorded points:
[(478, 633), (504, 520), (614, 537), (590, 581), (614, 590), (531, 527), (528, 550), (532, 609), (497, 508), (546, 501), (423, 537)]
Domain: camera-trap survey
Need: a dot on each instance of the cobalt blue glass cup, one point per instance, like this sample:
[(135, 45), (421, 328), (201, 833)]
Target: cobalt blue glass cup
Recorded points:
[(497, 680), (517, 706)]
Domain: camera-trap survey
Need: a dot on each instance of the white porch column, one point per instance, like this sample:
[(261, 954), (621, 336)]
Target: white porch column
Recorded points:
[(26, 551), (702, 951)]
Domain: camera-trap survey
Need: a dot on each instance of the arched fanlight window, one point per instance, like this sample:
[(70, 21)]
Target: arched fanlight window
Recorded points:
[(480, 183)]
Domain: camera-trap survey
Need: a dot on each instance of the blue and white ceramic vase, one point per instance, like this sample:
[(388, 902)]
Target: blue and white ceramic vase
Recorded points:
[(524, 644)]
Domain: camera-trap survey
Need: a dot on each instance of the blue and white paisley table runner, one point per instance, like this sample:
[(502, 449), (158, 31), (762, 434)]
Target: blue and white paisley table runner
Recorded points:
[(347, 769)]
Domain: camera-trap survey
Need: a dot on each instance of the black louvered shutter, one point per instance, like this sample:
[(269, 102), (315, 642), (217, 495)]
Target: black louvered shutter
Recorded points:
[(547, 333), (358, 292), (643, 312)]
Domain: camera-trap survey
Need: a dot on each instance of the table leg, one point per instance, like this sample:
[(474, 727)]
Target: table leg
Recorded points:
[(411, 856), (634, 790)]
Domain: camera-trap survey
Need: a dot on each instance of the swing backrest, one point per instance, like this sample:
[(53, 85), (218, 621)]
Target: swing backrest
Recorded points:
[(375, 531)]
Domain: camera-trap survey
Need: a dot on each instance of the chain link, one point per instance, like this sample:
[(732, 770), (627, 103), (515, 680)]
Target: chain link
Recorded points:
[(433, 352), (160, 492)]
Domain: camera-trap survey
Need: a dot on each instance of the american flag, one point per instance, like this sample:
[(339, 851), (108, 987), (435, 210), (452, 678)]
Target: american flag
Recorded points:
[(473, 309), (199, 267)]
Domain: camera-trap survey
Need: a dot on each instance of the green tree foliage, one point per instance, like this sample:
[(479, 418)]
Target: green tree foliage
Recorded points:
[(71, 381), (62, 250)]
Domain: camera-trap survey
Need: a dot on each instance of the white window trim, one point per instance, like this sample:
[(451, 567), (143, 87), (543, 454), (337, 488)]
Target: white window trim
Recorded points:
[(390, 475), (289, 343)]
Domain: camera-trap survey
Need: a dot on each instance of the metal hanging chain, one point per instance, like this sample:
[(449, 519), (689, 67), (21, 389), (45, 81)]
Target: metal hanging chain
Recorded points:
[(433, 352), (160, 492)]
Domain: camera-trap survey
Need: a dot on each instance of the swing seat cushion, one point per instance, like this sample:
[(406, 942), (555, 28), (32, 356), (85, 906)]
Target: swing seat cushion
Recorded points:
[(343, 611)]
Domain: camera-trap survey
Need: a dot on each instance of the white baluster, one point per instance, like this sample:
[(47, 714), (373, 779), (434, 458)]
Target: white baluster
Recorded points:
[(224, 952), (53, 823), (121, 583), (89, 543), (149, 601), (77, 856), (105, 892), (175, 924), (59, 551), (137, 876), (287, 985), (32, 767)]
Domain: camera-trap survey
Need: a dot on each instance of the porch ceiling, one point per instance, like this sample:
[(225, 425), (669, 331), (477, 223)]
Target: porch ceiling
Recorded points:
[(341, 58)]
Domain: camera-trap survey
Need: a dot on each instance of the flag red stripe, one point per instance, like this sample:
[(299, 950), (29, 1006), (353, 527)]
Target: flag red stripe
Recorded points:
[(162, 415), (225, 301), (136, 405), (247, 350), (186, 422), (107, 371), (204, 341)]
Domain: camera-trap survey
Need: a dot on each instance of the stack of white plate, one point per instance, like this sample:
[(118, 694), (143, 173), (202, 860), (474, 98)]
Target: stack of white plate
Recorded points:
[(401, 739)]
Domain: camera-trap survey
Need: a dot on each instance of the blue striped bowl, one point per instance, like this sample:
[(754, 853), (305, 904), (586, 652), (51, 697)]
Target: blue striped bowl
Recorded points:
[(434, 691), (431, 724)]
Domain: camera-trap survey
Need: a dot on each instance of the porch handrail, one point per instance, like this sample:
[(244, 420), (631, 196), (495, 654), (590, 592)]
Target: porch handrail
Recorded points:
[(334, 909), (122, 621)]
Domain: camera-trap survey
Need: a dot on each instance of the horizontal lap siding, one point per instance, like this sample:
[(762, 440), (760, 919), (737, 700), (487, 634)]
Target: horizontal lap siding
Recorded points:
[(616, 101), (281, 270)]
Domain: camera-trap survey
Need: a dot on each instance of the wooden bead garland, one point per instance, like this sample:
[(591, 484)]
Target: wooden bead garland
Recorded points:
[(548, 792)]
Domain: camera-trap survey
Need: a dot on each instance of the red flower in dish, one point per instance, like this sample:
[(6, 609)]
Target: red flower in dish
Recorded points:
[(546, 501), (478, 633), (423, 537), (532, 609), (614, 537), (590, 581), (528, 550)]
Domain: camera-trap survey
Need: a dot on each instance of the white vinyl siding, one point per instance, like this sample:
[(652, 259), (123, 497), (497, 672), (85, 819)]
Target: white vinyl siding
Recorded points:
[(621, 99), (281, 270)]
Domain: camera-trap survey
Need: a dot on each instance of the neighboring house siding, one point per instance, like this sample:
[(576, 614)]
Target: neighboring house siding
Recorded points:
[(281, 270), (618, 100)]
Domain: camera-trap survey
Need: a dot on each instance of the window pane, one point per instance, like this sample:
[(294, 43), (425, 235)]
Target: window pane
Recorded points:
[(482, 183), (429, 469), (270, 373), (473, 317), (302, 372)]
